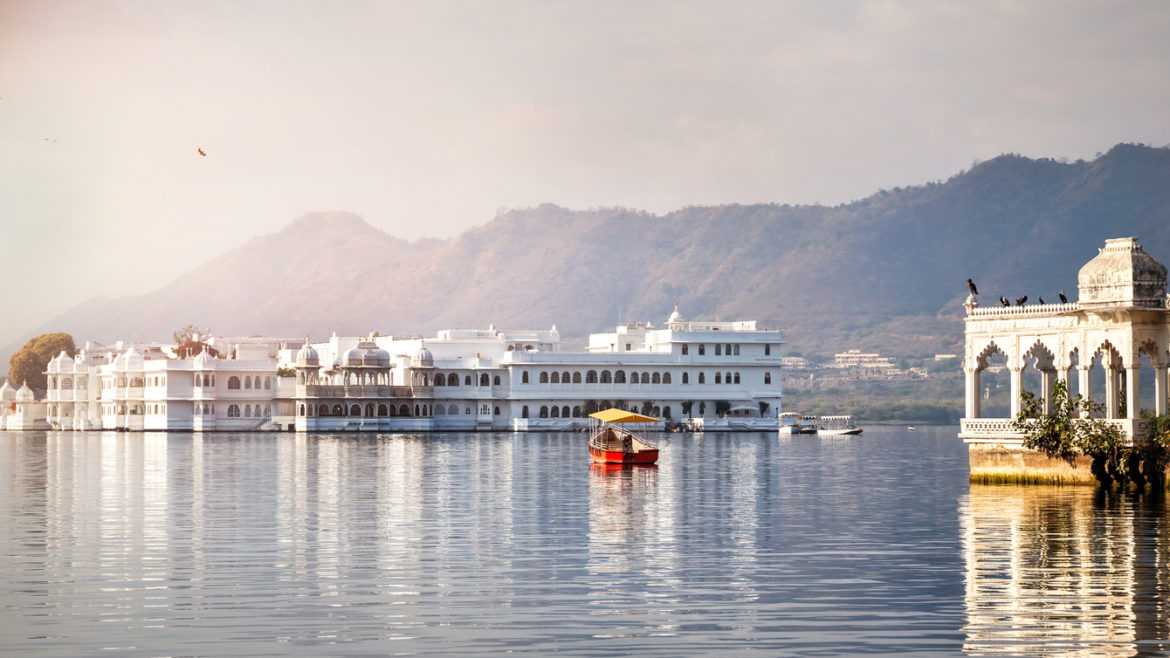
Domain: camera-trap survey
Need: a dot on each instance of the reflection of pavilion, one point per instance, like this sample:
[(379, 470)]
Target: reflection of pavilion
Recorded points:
[(1063, 571), (1120, 315)]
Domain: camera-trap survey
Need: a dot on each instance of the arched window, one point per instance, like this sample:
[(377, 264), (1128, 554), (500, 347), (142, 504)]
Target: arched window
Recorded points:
[(702, 349), (767, 349), (591, 377), (736, 349), (702, 378), (666, 412), (727, 349), (440, 411), (686, 378), (556, 413), (467, 380), (497, 411), (564, 377), (369, 410), (524, 379), (234, 383), (323, 410), (645, 378), (565, 411), (300, 412), (577, 411), (496, 380), (727, 378), (556, 378), (440, 379), (267, 382), (666, 378), (718, 349), (685, 350), (416, 410), (656, 411), (483, 380), (381, 411), (544, 412), (337, 410), (577, 377), (544, 378), (635, 378), (234, 411), (403, 410), (619, 377), (248, 381), (656, 378), (524, 412), (452, 410), (452, 379), (247, 411), (737, 378), (767, 378), (718, 378)]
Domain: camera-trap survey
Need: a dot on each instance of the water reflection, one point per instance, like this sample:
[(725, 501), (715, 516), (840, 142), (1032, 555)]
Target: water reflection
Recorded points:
[(1071, 570)]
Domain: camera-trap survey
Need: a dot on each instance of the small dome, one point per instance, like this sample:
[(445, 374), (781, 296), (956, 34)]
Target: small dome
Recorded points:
[(376, 357), (424, 358), (353, 358), (25, 394), (64, 362), (676, 316), (1122, 274), (132, 358), (307, 357), (7, 392), (203, 361)]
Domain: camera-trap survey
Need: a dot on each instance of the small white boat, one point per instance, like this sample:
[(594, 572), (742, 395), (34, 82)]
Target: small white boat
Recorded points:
[(808, 424), (789, 423), (838, 426), (910, 428)]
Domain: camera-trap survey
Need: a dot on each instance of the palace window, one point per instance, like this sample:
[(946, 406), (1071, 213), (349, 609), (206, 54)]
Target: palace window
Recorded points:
[(591, 377), (484, 380), (544, 378), (234, 411), (684, 349), (717, 379), (767, 378), (524, 379), (524, 412), (577, 377), (467, 380), (619, 377), (727, 378), (496, 380), (666, 378), (737, 378), (686, 378), (702, 349), (606, 378), (703, 378), (718, 349), (233, 383)]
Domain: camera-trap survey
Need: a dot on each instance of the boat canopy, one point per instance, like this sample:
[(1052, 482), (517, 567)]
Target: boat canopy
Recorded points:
[(622, 416)]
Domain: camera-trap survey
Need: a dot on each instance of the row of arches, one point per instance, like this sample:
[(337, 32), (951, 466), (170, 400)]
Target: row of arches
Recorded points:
[(234, 382), (234, 411), (453, 410), (452, 379), (370, 410), (721, 349)]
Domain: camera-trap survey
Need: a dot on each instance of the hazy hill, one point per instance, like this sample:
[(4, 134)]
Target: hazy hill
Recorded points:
[(885, 272)]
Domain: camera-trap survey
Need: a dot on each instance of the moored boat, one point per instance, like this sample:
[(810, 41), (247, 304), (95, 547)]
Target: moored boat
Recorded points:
[(837, 426), (808, 424), (789, 423), (609, 443)]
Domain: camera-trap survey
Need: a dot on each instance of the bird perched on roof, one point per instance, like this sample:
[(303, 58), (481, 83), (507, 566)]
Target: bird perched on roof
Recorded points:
[(1041, 298), (971, 286), (1063, 299), (1004, 300), (202, 153), (1020, 300)]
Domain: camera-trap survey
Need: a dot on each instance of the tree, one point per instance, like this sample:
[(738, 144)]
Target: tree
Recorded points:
[(28, 365), (189, 343), (1073, 427)]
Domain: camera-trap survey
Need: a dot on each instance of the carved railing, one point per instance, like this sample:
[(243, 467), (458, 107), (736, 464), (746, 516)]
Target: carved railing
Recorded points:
[(1002, 430), (1016, 311), (353, 391)]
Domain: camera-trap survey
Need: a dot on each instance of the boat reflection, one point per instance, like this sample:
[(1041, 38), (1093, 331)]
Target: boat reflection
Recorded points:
[(1069, 570)]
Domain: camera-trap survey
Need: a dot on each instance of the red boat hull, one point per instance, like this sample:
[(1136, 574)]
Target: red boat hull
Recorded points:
[(648, 456)]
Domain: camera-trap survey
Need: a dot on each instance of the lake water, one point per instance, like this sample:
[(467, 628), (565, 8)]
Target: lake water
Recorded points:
[(480, 544)]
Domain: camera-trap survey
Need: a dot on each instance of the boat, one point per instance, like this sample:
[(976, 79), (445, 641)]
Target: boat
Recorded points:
[(808, 424), (789, 423), (838, 426), (910, 428), (611, 444)]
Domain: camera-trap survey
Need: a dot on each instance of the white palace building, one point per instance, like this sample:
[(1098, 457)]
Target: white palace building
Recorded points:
[(1119, 325), (710, 375)]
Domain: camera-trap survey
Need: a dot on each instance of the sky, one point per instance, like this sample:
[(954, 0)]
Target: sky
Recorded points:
[(427, 118)]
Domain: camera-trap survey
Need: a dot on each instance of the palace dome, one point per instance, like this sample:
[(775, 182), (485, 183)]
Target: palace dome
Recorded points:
[(64, 362), (7, 392), (202, 361), (676, 316), (1122, 274), (25, 394), (307, 357), (423, 358), (353, 358), (376, 357), (131, 358)]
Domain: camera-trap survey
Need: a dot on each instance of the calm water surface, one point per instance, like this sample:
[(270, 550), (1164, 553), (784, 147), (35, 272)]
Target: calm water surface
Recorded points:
[(478, 544)]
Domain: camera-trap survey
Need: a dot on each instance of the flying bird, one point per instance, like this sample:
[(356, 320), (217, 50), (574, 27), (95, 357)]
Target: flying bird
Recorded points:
[(202, 153), (1004, 300), (971, 285), (1020, 300), (1040, 298), (1063, 299)]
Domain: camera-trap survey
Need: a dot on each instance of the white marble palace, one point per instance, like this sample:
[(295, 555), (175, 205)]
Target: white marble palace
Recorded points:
[(713, 375), (1120, 319)]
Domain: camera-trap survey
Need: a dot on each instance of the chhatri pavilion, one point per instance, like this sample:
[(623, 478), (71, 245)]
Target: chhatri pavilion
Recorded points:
[(1120, 315)]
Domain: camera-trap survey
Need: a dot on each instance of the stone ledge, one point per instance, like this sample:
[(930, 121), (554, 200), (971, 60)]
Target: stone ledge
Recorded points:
[(1005, 462)]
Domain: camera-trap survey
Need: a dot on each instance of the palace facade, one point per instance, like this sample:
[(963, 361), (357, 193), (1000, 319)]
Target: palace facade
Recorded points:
[(712, 375)]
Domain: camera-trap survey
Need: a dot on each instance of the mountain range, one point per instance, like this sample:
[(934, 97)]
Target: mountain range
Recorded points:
[(883, 273)]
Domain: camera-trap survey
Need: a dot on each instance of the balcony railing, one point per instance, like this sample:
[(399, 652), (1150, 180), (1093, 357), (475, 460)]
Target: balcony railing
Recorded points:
[(1002, 430), (353, 391)]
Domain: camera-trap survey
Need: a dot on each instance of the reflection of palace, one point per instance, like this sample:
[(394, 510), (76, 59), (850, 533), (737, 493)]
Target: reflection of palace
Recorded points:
[(725, 373), (1120, 315), (1064, 570)]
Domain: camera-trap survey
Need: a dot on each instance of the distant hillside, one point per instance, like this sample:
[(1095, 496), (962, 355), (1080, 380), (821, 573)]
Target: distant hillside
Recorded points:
[(886, 272)]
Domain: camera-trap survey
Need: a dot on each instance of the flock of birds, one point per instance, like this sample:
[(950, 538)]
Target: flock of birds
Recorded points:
[(1020, 301)]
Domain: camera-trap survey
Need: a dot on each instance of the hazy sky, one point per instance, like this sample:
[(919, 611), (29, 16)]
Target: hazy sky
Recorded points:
[(426, 117)]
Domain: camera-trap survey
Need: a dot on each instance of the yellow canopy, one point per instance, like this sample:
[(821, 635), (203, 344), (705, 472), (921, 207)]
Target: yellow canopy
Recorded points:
[(622, 416)]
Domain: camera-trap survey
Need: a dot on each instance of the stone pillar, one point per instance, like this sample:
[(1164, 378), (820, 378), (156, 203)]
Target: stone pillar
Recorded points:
[(1132, 397), (1017, 381), (1159, 390), (1047, 377), (1112, 393), (1084, 378), (973, 390)]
